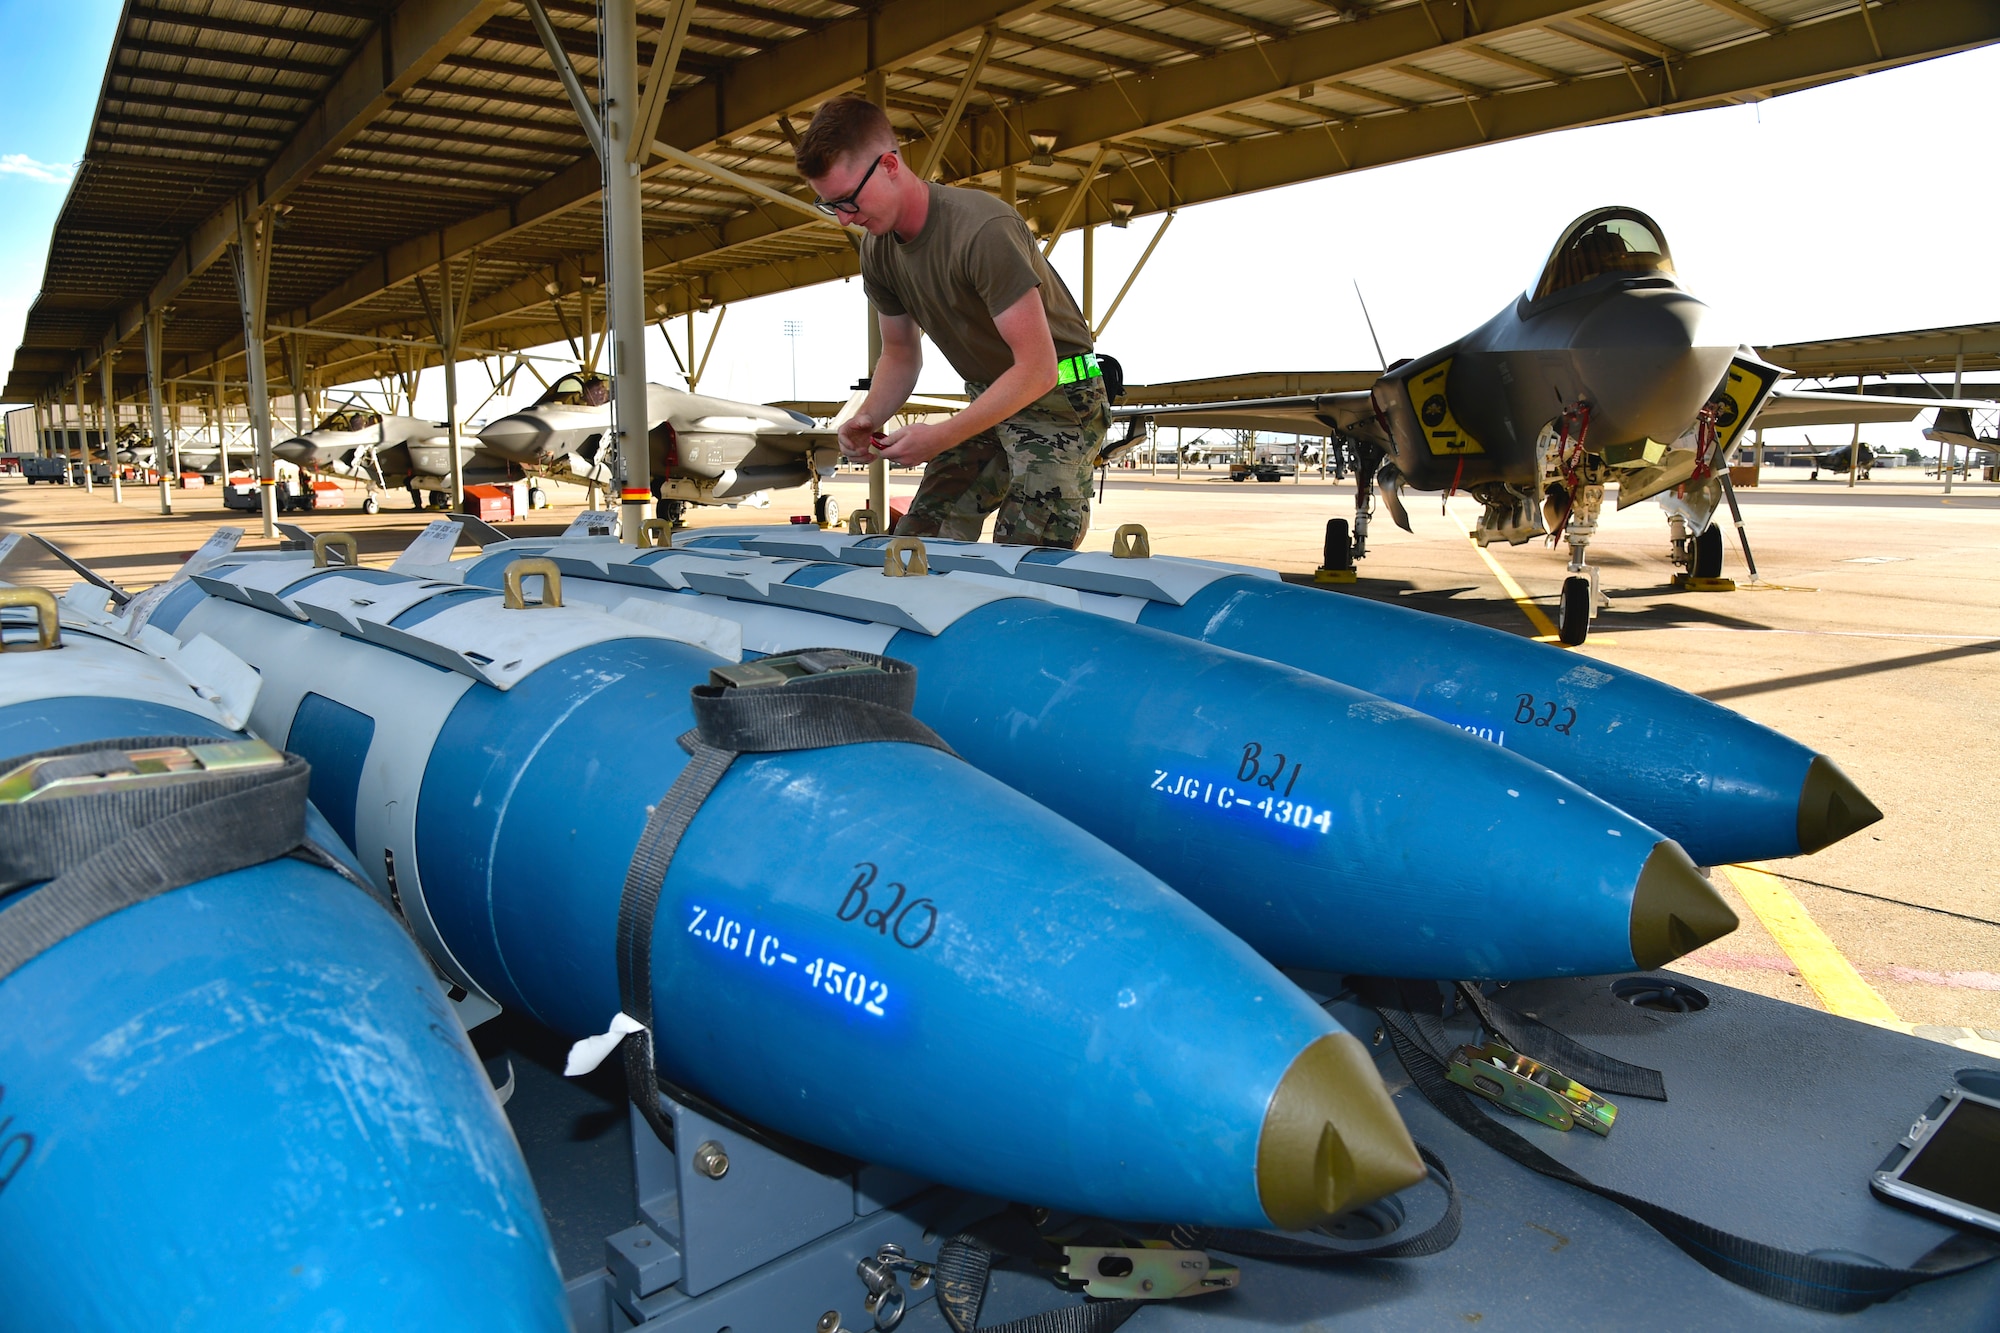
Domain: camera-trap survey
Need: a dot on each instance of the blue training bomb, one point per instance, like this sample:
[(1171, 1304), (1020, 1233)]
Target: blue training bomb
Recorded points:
[(1726, 788), (1327, 828), (1072, 1031), (240, 1104)]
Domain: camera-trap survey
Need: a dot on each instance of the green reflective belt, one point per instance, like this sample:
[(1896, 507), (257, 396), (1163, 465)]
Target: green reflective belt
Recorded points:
[(1082, 366)]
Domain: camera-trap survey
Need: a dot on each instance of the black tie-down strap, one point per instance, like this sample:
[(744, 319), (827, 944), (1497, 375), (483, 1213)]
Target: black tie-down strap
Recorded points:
[(105, 851), (964, 1265), (839, 697), (1538, 1041), (1410, 1013)]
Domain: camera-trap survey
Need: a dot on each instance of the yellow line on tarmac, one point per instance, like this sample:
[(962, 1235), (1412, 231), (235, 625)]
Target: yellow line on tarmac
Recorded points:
[(1822, 966), (1536, 616)]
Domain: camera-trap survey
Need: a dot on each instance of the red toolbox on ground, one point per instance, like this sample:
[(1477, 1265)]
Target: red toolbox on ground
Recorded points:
[(328, 495), (490, 504), (190, 480)]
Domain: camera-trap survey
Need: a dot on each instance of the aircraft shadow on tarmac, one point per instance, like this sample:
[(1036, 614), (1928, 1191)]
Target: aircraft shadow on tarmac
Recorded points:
[(1849, 671), (1837, 493)]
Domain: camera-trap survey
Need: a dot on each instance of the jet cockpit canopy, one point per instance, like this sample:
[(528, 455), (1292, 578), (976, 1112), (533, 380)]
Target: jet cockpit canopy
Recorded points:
[(351, 418), (578, 389), (1607, 240)]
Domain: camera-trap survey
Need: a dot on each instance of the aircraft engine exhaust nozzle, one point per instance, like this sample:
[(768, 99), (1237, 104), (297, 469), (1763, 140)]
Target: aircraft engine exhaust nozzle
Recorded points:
[(1674, 909), (1332, 1140), (1831, 806)]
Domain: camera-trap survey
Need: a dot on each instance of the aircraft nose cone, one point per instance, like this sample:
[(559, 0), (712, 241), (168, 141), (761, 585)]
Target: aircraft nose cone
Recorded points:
[(1674, 910), (1648, 363), (295, 450), (513, 437), (1831, 806), (1332, 1140)]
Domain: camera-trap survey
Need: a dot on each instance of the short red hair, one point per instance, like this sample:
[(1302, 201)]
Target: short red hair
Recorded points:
[(842, 126)]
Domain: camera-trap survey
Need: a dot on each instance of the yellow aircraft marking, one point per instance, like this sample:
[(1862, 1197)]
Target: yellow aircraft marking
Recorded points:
[(1822, 966), (1544, 627)]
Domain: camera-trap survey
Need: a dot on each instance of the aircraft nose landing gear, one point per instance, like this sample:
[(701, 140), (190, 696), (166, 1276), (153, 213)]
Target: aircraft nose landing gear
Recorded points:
[(1581, 597)]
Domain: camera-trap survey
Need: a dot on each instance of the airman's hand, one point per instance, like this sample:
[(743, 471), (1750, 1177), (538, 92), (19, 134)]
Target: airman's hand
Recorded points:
[(915, 444), (857, 435)]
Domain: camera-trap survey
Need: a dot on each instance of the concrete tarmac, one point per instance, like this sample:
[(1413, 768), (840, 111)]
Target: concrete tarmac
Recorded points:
[(1873, 635)]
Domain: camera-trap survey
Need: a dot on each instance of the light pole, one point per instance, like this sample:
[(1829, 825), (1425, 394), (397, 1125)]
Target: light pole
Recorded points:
[(793, 328)]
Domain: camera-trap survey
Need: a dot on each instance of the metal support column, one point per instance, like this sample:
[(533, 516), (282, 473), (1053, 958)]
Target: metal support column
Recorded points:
[(875, 87), (251, 267), (174, 429), (625, 265), (221, 431), (1948, 452), (446, 320), (1090, 276), (83, 436), (110, 431), (162, 445), (1854, 445)]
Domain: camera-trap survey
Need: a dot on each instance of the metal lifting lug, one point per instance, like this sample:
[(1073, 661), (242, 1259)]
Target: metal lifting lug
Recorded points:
[(48, 626), (344, 540), (1130, 542), (520, 572), (905, 556), (886, 1302)]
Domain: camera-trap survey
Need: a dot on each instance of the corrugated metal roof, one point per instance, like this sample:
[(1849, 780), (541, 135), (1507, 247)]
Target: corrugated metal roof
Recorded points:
[(471, 152)]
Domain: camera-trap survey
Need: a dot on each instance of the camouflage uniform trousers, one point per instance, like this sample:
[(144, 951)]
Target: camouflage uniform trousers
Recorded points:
[(1034, 468)]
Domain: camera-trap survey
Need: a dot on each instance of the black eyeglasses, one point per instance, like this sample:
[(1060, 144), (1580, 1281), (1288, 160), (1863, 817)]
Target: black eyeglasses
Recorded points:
[(849, 202)]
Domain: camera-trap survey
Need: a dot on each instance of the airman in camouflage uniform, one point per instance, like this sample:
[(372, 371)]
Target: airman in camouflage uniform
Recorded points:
[(961, 267), (1034, 468)]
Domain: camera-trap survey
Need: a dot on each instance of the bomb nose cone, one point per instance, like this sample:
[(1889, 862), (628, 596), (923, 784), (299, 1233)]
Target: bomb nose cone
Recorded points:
[(1674, 910), (1831, 806), (1332, 1140)]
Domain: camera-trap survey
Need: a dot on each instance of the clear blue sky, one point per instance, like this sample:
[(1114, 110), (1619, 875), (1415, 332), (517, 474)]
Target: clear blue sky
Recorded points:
[(55, 66), (1860, 207)]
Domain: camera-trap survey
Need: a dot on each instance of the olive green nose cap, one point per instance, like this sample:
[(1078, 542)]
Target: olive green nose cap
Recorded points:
[(1831, 806), (1332, 1139), (1674, 910)]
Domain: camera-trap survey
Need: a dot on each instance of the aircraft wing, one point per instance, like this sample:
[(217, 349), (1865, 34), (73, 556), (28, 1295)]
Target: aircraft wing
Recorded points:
[(1807, 407), (919, 407), (1303, 414)]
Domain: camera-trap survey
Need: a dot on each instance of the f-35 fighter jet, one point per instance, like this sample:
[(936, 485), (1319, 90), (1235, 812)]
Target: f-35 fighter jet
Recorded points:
[(701, 450), (1605, 370)]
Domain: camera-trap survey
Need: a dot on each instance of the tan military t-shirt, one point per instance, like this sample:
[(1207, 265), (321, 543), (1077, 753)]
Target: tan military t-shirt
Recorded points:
[(974, 258)]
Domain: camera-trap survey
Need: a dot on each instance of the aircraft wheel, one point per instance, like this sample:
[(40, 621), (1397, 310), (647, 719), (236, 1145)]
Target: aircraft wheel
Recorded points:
[(371, 506), (536, 499), (672, 512), (1573, 619), (439, 501), (1708, 553), (1339, 552), (826, 511)]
